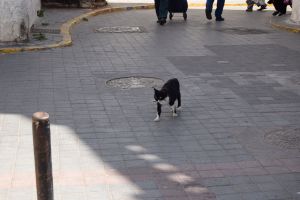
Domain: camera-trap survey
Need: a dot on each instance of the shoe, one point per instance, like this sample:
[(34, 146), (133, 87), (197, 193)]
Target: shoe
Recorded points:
[(162, 21), (263, 7), (208, 14), (219, 19), (275, 13), (249, 10), (281, 14)]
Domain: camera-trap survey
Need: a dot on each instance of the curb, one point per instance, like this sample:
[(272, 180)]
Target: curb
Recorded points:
[(284, 27), (66, 28)]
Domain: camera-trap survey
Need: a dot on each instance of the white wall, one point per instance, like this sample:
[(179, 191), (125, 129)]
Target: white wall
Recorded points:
[(296, 11), (16, 18)]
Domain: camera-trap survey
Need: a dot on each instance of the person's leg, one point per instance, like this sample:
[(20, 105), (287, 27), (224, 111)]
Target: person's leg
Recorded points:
[(262, 5), (282, 7), (219, 10), (208, 9), (262, 2), (276, 5), (250, 4), (163, 11), (157, 2)]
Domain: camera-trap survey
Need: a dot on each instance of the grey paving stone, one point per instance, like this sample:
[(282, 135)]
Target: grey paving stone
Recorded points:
[(104, 139), (216, 182), (222, 189), (229, 197)]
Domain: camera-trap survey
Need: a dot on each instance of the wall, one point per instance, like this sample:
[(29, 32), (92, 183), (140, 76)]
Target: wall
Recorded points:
[(296, 11), (16, 18)]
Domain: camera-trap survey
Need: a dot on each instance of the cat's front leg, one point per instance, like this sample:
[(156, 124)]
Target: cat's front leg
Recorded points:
[(158, 112), (157, 118)]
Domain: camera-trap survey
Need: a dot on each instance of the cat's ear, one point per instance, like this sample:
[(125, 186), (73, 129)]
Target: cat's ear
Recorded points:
[(155, 90)]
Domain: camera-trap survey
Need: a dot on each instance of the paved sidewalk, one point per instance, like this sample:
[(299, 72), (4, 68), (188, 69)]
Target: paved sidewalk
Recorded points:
[(237, 137), (46, 32)]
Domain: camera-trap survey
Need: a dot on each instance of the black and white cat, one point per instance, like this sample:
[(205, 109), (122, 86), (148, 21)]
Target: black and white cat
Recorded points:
[(170, 92)]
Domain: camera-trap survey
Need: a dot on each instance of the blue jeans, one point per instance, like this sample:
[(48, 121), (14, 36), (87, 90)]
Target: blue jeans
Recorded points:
[(161, 9), (220, 6)]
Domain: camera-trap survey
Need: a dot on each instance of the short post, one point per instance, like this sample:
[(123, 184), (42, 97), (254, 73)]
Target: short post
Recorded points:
[(42, 155)]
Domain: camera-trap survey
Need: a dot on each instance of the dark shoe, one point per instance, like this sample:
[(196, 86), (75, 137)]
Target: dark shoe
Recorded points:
[(162, 21), (275, 13), (249, 10), (281, 14), (208, 14), (263, 7), (219, 19)]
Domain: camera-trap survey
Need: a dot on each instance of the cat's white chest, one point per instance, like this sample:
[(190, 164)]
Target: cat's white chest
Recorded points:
[(165, 101)]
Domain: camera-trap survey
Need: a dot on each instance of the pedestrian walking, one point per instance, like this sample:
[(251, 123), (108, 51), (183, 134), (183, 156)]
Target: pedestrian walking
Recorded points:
[(161, 9), (218, 12), (260, 3), (280, 6)]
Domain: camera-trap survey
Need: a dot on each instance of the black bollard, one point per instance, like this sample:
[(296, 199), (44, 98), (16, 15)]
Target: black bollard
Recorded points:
[(42, 155)]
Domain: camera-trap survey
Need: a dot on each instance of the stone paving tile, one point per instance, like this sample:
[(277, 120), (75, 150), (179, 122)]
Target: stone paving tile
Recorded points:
[(257, 196), (105, 143), (229, 197)]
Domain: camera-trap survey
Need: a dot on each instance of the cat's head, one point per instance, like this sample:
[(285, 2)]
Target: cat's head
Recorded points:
[(159, 95)]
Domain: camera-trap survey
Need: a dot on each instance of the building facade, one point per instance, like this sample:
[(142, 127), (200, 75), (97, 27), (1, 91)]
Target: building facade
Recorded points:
[(16, 18), (296, 11)]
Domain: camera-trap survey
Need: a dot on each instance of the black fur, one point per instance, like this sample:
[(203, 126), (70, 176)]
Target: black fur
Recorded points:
[(170, 89)]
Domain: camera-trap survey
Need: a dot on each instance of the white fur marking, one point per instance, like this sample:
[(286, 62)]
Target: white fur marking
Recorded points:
[(173, 111), (157, 118), (164, 101)]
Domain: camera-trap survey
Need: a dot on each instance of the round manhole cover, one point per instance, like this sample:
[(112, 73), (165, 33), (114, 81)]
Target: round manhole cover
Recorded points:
[(284, 138), (121, 29), (134, 82)]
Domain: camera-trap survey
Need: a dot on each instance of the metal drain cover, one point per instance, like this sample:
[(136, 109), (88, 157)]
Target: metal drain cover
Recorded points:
[(121, 29), (284, 138), (242, 31), (134, 82), (44, 30)]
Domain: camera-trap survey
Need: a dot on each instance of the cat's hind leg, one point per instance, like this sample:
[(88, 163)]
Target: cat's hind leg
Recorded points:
[(179, 101), (173, 107)]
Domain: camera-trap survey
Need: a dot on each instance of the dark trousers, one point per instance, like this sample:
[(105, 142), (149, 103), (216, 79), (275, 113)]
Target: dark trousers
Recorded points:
[(280, 6), (161, 9), (220, 6)]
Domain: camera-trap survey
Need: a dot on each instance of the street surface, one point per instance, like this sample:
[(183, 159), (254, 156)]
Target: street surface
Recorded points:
[(237, 137)]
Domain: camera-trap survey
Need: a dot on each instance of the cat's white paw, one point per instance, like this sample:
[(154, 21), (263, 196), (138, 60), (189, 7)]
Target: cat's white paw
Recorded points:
[(156, 119), (175, 114)]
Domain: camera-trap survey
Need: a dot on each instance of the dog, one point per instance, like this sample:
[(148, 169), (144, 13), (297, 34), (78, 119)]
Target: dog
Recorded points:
[(170, 92)]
